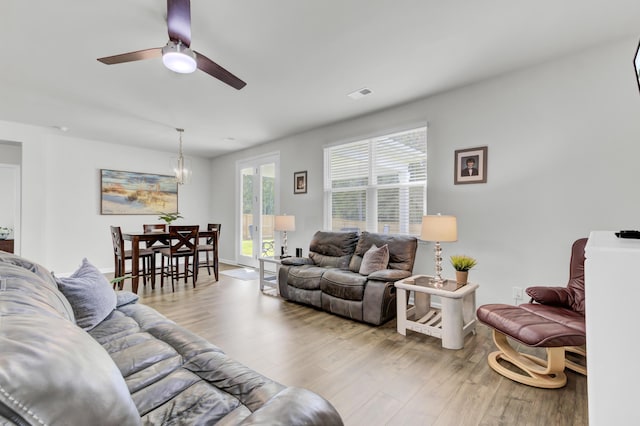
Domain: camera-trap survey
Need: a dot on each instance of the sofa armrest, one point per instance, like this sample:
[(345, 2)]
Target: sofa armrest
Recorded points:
[(389, 275), (550, 295), (296, 261), (295, 406)]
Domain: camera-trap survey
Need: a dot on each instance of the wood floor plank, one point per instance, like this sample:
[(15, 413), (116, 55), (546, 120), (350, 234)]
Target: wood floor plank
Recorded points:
[(372, 375)]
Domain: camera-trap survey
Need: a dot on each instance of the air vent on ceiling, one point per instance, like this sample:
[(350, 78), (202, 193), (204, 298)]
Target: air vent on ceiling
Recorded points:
[(360, 93)]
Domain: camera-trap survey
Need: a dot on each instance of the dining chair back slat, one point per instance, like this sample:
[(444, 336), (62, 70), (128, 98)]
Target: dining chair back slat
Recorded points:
[(184, 238), (183, 244)]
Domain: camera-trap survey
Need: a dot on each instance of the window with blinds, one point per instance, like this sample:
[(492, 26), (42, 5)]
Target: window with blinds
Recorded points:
[(378, 184)]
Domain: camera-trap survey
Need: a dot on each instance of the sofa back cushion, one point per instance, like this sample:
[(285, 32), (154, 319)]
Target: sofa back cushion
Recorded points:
[(28, 288), (333, 249), (51, 371), (402, 250)]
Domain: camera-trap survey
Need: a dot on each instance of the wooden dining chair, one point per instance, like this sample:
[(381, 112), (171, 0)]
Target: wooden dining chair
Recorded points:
[(156, 246), (156, 227), (120, 256), (210, 248), (183, 245)]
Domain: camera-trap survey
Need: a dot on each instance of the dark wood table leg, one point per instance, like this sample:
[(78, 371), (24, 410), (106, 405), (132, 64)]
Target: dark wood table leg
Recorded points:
[(135, 263)]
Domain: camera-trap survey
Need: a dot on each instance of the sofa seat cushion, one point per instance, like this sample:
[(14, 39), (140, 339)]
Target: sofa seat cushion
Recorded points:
[(175, 376), (343, 284), (306, 277), (189, 401)]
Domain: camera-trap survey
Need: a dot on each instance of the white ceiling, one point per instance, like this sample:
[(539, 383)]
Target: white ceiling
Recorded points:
[(300, 58)]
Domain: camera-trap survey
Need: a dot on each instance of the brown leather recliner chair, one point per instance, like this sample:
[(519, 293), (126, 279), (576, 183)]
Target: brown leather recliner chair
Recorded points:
[(554, 319)]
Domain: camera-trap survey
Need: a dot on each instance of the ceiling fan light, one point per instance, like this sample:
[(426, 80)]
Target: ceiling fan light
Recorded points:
[(179, 58)]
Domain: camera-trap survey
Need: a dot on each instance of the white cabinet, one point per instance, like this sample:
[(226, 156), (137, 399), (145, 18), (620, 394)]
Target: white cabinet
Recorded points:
[(612, 296)]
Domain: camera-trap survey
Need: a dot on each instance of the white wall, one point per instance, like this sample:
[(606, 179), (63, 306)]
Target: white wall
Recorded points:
[(10, 159), (61, 220), (10, 153), (563, 149), (562, 141)]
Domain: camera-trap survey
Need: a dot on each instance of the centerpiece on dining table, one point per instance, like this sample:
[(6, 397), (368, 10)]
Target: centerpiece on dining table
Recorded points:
[(169, 217)]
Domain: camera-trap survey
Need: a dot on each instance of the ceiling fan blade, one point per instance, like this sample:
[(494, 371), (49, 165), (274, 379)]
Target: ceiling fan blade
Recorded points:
[(132, 56), (207, 65), (179, 21)]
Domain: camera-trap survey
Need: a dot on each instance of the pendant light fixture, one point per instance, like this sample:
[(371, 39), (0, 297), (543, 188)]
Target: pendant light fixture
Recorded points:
[(182, 166)]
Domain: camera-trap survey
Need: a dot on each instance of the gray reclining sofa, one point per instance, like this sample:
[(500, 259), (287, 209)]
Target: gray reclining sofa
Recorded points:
[(330, 278), (133, 366)]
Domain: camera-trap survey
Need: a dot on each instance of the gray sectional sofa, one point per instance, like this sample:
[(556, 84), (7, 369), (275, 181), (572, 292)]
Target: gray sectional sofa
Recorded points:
[(332, 277), (74, 352)]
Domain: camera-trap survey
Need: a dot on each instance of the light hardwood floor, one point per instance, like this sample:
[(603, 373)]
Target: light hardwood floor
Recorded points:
[(372, 375)]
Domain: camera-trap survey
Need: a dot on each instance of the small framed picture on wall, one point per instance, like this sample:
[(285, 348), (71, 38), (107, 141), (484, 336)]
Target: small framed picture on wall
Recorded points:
[(470, 165), (300, 182)]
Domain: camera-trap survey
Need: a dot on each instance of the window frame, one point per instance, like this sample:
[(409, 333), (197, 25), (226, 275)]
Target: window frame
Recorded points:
[(372, 187)]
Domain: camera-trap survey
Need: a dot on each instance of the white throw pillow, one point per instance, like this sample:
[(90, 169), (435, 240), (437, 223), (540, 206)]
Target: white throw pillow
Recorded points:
[(374, 259)]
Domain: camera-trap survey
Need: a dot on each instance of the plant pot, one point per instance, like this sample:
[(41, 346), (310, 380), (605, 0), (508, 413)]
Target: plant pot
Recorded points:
[(461, 277)]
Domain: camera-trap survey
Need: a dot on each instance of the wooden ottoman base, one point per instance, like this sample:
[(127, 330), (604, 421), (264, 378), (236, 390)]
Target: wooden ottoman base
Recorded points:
[(536, 372)]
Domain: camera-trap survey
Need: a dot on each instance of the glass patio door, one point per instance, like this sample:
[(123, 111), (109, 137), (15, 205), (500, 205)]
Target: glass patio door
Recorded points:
[(258, 186)]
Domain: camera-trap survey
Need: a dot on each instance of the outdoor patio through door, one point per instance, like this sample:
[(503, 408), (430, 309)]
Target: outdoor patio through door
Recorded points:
[(258, 183)]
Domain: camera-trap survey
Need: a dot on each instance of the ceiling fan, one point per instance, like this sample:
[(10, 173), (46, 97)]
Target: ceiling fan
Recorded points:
[(176, 55)]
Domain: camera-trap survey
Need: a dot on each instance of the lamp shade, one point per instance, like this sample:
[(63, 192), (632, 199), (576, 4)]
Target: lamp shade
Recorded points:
[(439, 228), (285, 223)]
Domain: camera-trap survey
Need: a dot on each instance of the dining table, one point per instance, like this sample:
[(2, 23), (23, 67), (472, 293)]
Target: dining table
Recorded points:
[(150, 238)]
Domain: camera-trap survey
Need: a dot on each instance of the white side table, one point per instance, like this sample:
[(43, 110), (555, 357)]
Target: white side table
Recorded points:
[(452, 322), (269, 278)]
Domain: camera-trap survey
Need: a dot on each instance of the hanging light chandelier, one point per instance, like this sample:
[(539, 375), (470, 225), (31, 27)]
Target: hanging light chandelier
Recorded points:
[(182, 166)]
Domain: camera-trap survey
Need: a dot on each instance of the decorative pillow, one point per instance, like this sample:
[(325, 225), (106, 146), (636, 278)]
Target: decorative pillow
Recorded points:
[(125, 298), (374, 259), (89, 294)]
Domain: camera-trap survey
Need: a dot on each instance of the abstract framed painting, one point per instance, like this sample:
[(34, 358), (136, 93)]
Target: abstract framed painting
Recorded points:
[(124, 192), (470, 165)]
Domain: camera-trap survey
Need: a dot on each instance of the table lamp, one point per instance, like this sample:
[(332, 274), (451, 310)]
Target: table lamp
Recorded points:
[(438, 228), (285, 223)]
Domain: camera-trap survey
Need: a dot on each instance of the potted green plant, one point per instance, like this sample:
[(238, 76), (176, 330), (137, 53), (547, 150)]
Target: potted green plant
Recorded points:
[(170, 217), (462, 264), (4, 232), (119, 281)]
